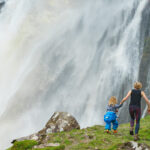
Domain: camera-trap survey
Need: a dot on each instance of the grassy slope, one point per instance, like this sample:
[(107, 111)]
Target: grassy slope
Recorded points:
[(92, 138)]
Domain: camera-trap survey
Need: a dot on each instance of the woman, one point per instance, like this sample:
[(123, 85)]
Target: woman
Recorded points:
[(135, 107)]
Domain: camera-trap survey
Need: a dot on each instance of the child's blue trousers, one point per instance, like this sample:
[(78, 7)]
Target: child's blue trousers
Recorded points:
[(108, 125), (110, 118)]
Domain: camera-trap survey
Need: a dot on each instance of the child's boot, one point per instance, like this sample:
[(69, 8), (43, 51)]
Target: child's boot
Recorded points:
[(107, 131), (115, 131)]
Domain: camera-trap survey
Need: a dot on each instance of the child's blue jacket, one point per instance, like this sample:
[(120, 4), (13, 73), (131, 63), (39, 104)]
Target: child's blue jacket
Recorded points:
[(111, 113), (113, 108)]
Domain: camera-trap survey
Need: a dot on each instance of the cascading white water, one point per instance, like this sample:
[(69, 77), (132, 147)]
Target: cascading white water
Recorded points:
[(64, 55)]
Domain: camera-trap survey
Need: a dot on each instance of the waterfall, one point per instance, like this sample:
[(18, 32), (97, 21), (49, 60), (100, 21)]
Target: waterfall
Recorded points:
[(65, 55)]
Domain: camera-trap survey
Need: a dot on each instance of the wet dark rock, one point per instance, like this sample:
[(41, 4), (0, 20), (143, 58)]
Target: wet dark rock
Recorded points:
[(144, 70), (145, 63), (2, 4)]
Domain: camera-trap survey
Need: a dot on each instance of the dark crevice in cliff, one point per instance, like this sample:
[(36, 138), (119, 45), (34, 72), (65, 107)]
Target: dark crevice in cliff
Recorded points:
[(144, 67)]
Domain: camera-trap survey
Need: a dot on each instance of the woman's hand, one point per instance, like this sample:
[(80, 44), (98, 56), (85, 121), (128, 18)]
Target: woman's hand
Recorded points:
[(148, 110)]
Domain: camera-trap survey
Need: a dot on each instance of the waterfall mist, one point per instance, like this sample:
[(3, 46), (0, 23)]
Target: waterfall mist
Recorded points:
[(65, 55)]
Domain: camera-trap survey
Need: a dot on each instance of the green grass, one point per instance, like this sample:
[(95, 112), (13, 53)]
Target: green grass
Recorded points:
[(28, 145), (91, 138), (23, 145)]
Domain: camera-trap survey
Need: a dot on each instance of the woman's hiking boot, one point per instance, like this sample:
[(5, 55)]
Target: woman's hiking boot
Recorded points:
[(136, 137), (131, 133)]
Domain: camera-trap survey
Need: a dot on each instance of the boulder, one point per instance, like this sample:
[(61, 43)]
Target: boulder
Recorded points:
[(60, 121)]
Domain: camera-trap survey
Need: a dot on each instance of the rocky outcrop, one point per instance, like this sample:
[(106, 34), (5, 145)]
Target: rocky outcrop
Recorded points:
[(60, 121), (134, 146)]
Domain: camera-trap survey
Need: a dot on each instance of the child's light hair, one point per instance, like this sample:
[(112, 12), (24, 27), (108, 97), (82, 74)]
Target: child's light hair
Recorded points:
[(112, 101), (137, 85)]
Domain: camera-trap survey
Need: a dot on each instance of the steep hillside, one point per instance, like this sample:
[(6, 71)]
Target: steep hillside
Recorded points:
[(91, 138)]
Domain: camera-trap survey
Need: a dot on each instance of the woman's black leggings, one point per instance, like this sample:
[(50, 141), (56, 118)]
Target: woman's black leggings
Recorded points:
[(135, 113)]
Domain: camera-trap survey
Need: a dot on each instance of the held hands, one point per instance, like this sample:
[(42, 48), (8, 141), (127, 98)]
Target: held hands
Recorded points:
[(121, 102), (148, 110)]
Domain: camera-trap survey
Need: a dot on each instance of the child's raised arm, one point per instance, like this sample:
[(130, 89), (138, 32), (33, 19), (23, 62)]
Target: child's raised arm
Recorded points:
[(118, 105)]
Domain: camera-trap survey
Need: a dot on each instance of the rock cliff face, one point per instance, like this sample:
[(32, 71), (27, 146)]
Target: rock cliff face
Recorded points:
[(145, 61), (60, 121), (144, 69)]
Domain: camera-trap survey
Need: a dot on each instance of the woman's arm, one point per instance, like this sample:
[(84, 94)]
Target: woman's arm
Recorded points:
[(145, 98), (125, 98)]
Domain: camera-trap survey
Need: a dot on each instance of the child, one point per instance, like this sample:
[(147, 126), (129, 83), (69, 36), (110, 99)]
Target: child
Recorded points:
[(110, 116)]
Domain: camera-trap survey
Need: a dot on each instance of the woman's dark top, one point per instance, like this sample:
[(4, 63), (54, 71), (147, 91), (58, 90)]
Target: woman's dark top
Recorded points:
[(135, 98)]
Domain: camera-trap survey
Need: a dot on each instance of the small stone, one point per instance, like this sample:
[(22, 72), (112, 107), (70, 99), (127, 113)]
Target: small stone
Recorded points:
[(53, 144), (34, 137), (52, 127), (47, 145), (90, 136), (61, 129)]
